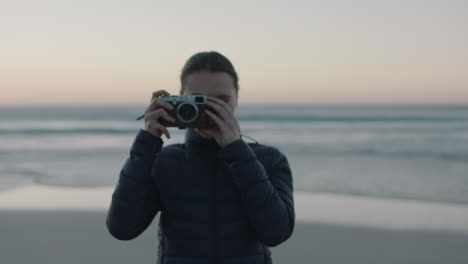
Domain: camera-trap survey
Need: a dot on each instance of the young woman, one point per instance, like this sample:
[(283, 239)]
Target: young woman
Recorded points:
[(222, 200)]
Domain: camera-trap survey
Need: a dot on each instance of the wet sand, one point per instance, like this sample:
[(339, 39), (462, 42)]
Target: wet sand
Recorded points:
[(61, 236)]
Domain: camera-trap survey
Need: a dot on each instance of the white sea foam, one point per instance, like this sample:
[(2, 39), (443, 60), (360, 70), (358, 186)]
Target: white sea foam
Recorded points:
[(398, 152), (310, 207)]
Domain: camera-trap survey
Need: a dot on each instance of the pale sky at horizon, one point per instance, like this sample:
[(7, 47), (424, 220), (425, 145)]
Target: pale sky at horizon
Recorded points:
[(60, 52)]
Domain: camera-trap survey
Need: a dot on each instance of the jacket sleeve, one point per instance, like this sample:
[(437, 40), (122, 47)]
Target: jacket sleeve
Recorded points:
[(267, 195), (135, 200)]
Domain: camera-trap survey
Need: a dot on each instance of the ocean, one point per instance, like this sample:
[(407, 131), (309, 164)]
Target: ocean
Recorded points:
[(392, 151)]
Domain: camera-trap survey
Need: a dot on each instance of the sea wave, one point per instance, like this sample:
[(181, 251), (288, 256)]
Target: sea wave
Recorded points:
[(456, 156), (67, 131), (295, 127)]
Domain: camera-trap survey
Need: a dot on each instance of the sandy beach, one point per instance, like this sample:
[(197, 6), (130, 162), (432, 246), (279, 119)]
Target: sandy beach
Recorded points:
[(81, 237), (66, 228)]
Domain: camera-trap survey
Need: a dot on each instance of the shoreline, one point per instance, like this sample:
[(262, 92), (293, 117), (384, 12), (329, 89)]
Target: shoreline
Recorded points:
[(380, 213)]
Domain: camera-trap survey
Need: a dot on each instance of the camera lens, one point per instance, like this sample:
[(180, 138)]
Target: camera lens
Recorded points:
[(187, 112)]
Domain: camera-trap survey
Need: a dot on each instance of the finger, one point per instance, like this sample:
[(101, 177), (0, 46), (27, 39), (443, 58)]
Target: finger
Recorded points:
[(221, 102), (228, 107), (164, 114), (219, 110), (157, 103), (159, 93), (223, 113), (217, 120), (163, 129), (161, 102), (167, 116), (160, 113), (159, 128)]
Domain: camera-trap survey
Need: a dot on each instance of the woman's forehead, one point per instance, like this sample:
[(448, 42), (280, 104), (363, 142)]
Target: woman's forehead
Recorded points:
[(212, 83)]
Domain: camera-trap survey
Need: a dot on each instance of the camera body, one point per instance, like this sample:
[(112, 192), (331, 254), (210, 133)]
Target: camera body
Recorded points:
[(188, 111)]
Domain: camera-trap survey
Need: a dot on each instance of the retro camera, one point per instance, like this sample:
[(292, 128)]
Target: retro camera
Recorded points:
[(188, 111)]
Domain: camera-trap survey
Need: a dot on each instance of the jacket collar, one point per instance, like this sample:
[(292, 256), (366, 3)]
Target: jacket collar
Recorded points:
[(195, 142)]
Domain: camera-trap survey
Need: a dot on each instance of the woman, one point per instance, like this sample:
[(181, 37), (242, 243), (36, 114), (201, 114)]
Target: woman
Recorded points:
[(222, 200)]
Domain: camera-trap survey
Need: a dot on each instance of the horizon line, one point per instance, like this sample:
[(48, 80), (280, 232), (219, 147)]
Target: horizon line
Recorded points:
[(450, 104)]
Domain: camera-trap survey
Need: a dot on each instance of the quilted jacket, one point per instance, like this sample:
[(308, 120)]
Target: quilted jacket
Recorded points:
[(217, 205)]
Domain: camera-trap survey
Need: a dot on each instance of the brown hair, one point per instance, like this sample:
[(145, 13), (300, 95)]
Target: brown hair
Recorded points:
[(211, 61)]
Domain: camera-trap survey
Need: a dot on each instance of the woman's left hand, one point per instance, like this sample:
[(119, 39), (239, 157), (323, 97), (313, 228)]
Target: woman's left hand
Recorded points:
[(227, 128)]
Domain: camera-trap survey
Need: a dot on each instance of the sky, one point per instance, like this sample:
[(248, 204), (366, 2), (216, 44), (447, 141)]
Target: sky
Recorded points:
[(305, 52)]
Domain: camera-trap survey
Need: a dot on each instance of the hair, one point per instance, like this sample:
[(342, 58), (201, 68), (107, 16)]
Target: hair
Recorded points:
[(211, 61)]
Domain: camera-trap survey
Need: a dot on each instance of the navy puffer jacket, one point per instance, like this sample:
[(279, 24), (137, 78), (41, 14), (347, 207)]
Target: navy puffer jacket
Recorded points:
[(218, 205)]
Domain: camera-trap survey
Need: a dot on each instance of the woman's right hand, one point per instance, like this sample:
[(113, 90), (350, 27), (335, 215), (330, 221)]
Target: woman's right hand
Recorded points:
[(158, 109)]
